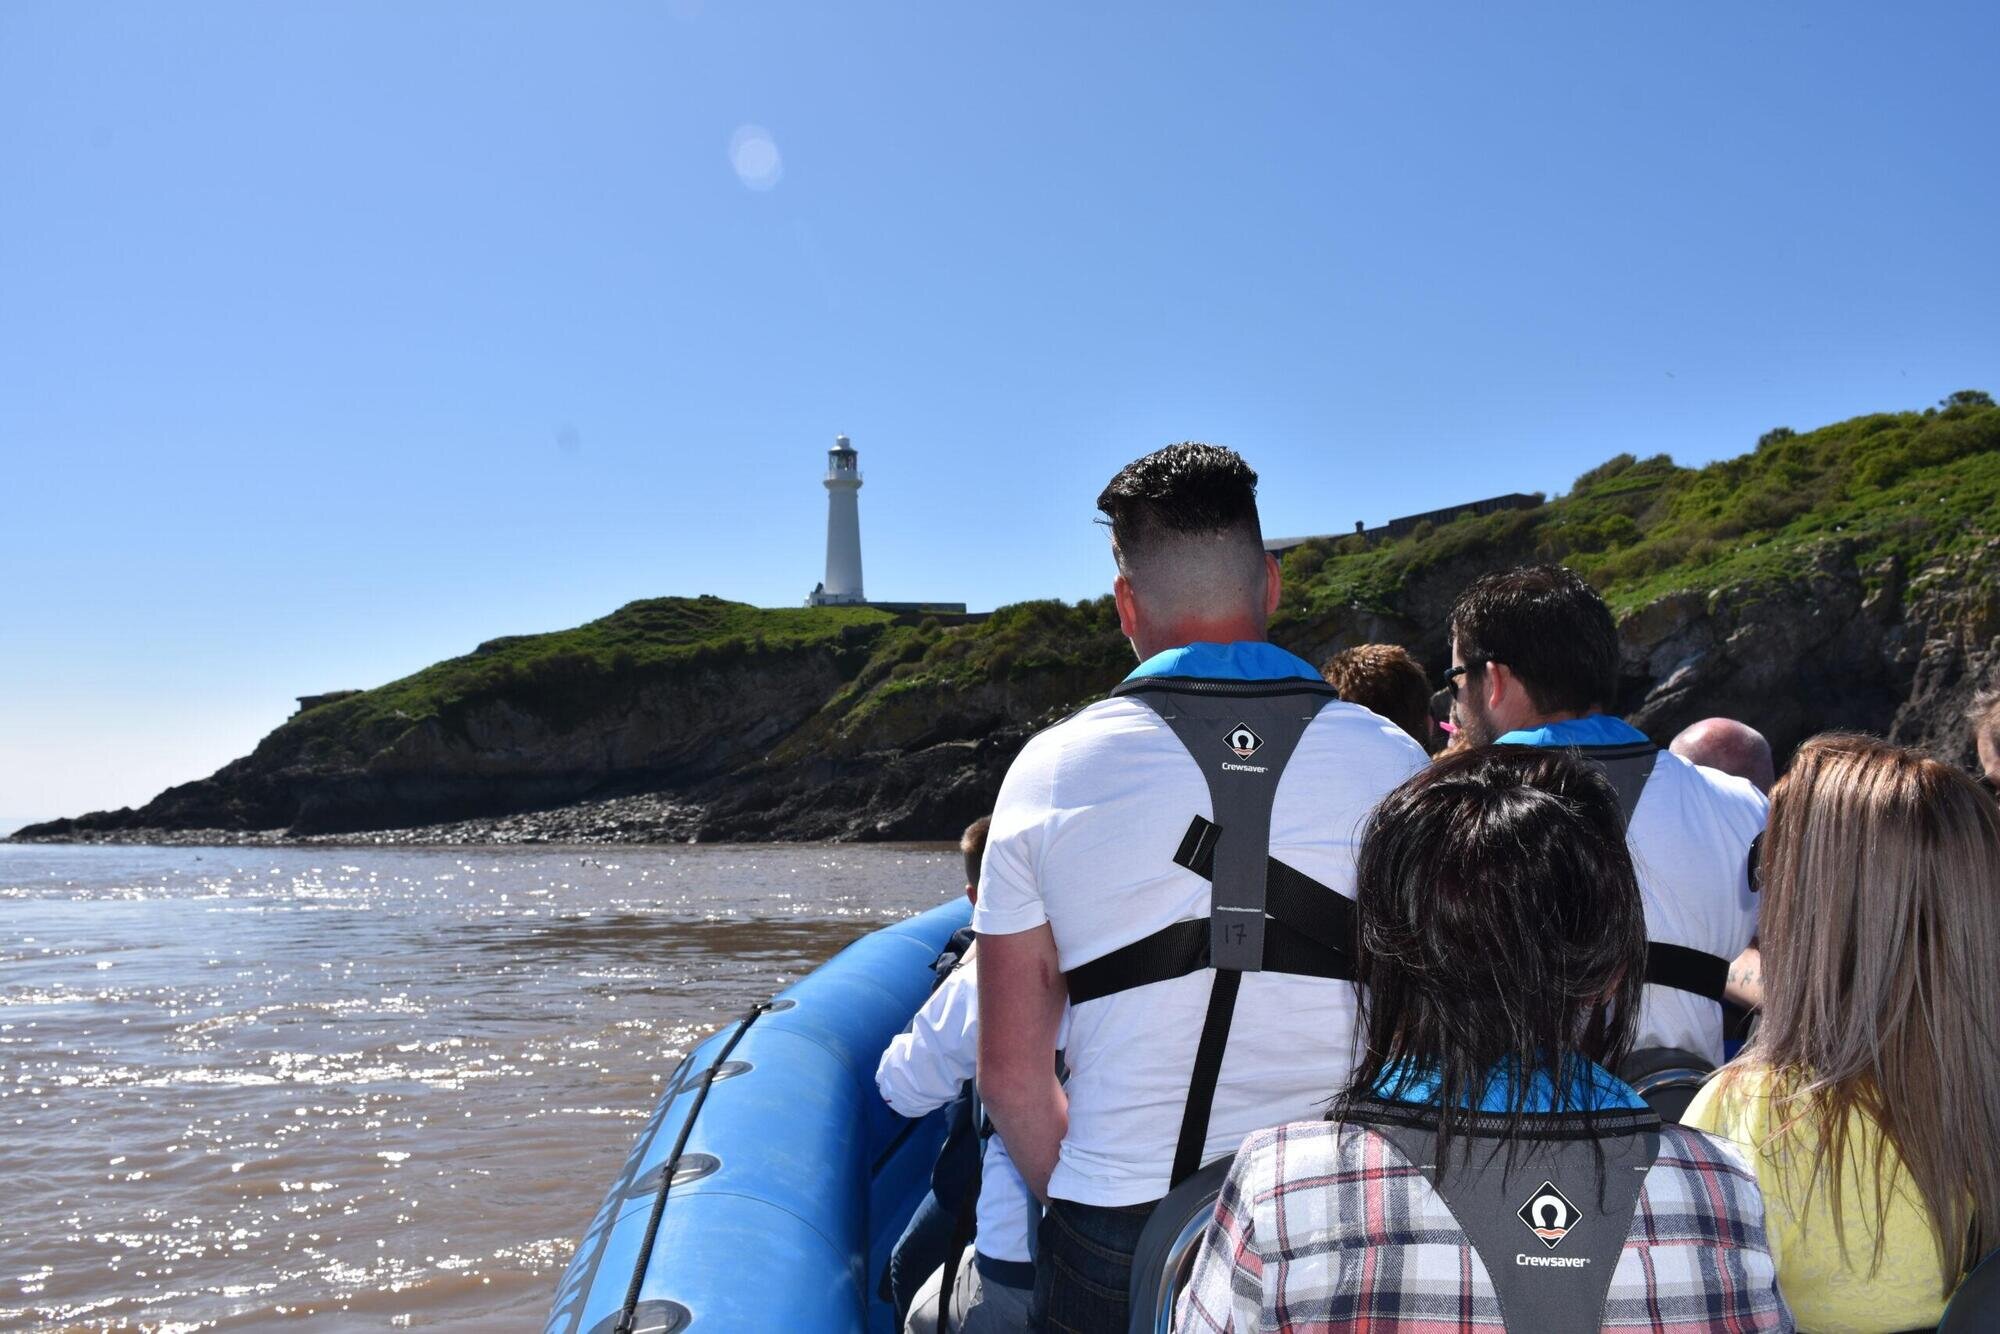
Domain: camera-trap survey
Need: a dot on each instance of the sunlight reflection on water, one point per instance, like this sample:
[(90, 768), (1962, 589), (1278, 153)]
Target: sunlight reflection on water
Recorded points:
[(244, 1083)]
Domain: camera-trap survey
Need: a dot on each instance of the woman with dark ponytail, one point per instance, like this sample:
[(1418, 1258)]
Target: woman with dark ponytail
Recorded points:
[(1483, 1169)]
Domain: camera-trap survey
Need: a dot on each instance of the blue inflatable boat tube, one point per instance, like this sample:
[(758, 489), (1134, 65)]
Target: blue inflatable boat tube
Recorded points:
[(771, 1180)]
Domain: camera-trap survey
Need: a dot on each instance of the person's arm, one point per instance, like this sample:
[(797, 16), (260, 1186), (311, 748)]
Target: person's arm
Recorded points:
[(1745, 983), (1021, 999), (926, 1067)]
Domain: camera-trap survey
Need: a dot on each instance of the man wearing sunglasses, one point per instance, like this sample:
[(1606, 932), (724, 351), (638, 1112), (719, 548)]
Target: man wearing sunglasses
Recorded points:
[(1535, 662)]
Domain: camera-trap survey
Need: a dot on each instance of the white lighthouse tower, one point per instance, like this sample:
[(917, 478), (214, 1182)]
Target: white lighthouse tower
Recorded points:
[(843, 528)]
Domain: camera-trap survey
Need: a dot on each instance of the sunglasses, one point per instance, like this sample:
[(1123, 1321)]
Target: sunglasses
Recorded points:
[(1456, 674)]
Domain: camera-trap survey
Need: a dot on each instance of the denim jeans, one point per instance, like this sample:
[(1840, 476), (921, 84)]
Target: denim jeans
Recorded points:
[(1083, 1267), (920, 1249)]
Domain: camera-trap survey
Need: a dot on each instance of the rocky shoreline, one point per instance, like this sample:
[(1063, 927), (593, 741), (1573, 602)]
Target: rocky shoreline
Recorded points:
[(633, 819), (921, 795)]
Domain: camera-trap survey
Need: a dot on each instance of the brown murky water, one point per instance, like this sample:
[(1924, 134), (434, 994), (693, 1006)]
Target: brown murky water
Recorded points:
[(350, 1089)]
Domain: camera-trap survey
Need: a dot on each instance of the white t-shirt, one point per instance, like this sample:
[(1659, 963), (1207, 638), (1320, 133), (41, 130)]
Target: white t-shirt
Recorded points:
[(924, 1069), (1690, 841), (1083, 838)]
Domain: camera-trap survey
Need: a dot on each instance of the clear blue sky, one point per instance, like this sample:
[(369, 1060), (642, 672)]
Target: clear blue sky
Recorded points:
[(335, 338)]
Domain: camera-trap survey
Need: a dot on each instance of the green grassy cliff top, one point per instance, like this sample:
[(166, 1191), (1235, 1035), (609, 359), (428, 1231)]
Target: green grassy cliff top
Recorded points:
[(1914, 485)]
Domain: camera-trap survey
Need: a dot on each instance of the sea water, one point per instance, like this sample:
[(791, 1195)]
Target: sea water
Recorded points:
[(366, 1088)]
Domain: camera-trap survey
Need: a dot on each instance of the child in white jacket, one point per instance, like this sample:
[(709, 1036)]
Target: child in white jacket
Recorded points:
[(924, 1069)]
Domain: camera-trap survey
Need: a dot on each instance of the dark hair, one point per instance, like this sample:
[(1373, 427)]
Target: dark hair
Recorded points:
[(1441, 705), (1189, 489), (1385, 678), (1549, 627), (972, 843), (1497, 920)]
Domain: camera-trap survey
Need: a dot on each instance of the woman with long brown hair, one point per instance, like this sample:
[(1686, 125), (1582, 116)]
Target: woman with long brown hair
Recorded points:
[(1869, 1097)]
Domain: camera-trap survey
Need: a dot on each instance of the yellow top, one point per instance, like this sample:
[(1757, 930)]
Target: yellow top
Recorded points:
[(1829, 1291)]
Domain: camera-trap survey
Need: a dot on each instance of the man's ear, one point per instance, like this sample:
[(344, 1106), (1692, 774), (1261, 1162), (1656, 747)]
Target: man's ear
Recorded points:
[(1274, 585), (1501, 684), (1128, 607)]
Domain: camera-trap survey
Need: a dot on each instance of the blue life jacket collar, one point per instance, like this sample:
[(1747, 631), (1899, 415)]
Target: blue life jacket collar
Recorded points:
[(1586, 1087), (1596, 729), (1244, 660)]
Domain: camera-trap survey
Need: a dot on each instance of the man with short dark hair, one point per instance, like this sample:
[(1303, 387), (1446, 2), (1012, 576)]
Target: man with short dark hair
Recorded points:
[(1173, 862), (1385, 679), (1542, 641), (1535, 662)]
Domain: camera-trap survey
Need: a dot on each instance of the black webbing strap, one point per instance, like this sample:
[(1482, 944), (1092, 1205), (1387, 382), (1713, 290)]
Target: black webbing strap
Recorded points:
[(1309, 931), (1172, 951), (1177, 950), (964, 1227), (1322, 915), (1686, 969), (1207, 1070), (1197, 849)]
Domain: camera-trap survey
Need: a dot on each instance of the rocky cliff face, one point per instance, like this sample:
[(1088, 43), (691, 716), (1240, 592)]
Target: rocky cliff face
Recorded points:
[(1841, 647), (772, 743), (1952, 631)]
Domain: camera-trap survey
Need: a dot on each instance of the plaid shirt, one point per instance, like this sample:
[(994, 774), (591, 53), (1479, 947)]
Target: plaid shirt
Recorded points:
[(1325, 1227)]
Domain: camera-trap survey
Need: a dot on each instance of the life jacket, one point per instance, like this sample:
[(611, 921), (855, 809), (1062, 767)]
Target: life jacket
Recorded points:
[(1667, 1077), (1264, 916), (1550, 1223), (1627, 766)]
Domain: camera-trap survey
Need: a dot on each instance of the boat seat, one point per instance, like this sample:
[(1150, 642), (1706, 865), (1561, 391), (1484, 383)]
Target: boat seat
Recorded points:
[(1165, 1255), (1667, 1078), (1975, 1307)]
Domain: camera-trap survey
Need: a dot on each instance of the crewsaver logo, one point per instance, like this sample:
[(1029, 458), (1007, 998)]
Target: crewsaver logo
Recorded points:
[(1549, 1214), (1244, 741)]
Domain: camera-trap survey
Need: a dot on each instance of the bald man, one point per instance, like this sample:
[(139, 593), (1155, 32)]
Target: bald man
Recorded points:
[(1984, 715), (1741, 751), (1735, 748)]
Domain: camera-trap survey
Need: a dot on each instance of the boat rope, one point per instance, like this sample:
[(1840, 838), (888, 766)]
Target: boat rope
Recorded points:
[(631, 1306)]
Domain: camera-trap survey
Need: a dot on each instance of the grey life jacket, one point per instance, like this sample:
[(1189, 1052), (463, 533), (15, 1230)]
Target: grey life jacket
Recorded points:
[(1264, 916), (1549, 1224), (1628, 765)]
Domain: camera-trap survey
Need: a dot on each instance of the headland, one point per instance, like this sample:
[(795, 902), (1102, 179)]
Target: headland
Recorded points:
[(1845, 577)]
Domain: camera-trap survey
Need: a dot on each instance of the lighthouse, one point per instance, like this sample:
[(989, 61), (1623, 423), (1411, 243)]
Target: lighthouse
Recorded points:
[(843, 528)]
